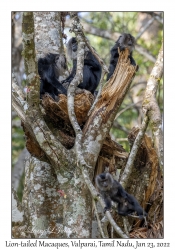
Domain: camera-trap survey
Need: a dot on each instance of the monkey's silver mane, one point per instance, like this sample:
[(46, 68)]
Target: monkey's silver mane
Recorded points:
[(99, 182), (72, 55), (121, 41), (60, 64), (110, 180)]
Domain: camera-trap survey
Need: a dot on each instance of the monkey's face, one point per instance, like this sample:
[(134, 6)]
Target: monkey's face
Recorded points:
[(126, 41), (103, 185), (72, 46), (103, 182), (60, 64)]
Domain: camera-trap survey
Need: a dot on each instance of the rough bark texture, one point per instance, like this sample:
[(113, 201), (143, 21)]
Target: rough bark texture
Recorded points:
[(17, 60), (18, 169), (29, 58), (150, 104), (47, 40), (41, 201)]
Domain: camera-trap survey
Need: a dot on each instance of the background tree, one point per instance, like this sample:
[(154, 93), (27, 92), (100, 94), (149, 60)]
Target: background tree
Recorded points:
[(68, 163)]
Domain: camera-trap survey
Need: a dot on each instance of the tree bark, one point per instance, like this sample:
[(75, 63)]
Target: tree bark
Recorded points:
[(151, 106)]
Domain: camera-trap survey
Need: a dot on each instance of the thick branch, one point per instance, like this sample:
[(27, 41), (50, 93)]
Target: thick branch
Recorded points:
[(17, 210), (101, 118), (150, 104), (48, 38), (18, 169), (54, 150), (98, 220), (31, 68), (76, 26), (18, 100)]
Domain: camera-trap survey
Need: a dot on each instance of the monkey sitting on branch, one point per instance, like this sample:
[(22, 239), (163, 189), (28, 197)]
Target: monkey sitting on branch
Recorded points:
[(124, 41), (91, 70), (50, 68), (112, 190)]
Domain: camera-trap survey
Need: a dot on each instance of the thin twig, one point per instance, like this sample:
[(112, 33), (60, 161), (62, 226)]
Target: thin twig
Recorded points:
[(125, 223), (144, 28), (98, 220), (128, 107), (133, 153)]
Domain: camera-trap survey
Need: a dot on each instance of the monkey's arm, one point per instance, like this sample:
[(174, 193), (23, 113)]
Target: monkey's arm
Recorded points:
[(47, 74), (107, 201), (114, 52), (72, 74), (92, 63), (111, 70), (121, 191), (132, 60), (56, 84)]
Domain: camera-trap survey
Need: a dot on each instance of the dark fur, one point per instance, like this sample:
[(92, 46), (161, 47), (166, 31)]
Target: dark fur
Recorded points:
[(124, 41), (91, 70), (129, 205), (50, 68), (111, 190)]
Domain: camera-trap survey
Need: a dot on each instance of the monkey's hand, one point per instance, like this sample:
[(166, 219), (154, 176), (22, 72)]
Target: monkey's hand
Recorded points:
[(64, 81), (65, 85), (68, 79), (107, 209), (137, 68)]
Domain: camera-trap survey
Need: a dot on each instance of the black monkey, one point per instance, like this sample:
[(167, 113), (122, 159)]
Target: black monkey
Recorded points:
[(50, 68), (124, 41), (112, 190), (91, 69)]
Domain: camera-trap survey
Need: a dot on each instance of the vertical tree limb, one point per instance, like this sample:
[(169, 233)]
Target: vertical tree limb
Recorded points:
[(150, 104), (31, 68), (133, 153)]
